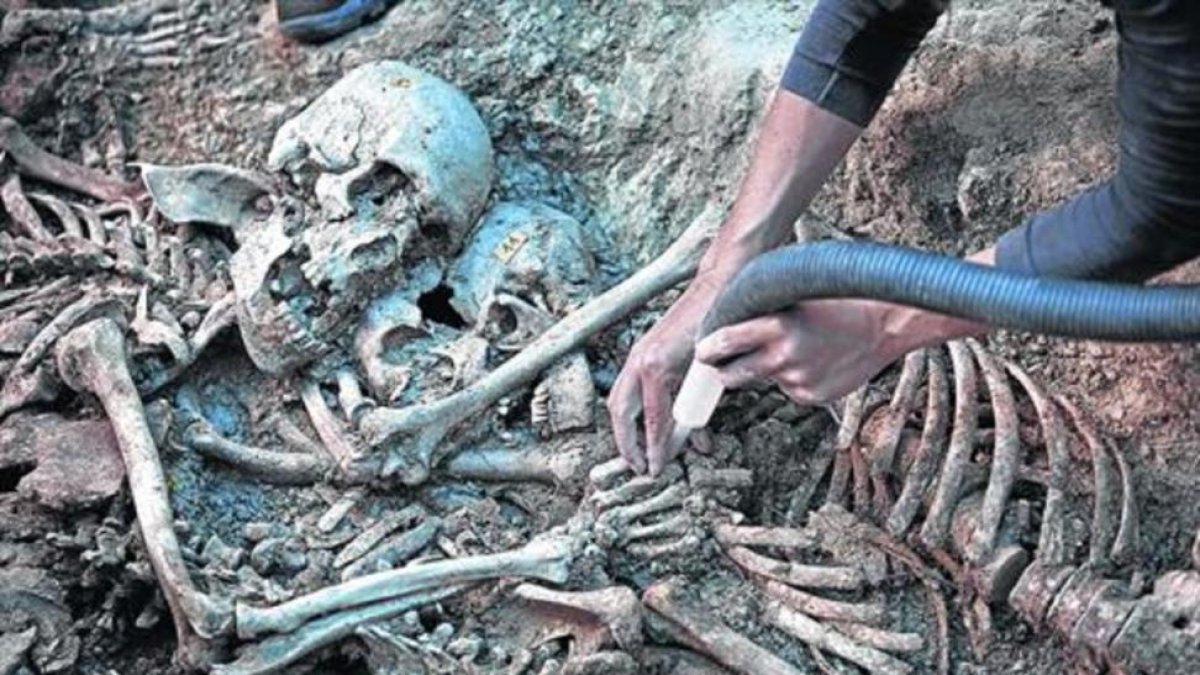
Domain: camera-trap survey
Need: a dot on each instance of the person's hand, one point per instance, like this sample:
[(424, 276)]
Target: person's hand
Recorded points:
[(655, 367), (816, 353)]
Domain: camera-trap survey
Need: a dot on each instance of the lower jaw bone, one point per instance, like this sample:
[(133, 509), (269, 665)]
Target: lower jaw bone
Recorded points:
[(548, 560), (92, 358)]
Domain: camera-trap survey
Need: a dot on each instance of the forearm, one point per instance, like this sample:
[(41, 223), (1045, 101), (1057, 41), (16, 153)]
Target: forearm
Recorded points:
[(843, 66), (798, 146), (904, 329)]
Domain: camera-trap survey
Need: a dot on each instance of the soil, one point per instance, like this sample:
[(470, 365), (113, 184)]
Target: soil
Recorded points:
[(636, 119)]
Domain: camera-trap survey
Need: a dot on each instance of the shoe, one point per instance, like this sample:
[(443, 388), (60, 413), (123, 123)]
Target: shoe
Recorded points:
[(321, 20)]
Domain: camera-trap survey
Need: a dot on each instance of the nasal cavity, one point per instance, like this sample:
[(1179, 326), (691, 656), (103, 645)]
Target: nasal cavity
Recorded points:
[(435, 306)]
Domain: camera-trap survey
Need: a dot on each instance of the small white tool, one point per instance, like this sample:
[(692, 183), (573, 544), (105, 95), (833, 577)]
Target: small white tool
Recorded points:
[(697, 399)]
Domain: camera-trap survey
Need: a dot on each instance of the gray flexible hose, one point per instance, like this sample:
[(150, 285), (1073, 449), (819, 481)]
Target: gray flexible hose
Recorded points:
[(784, 277)]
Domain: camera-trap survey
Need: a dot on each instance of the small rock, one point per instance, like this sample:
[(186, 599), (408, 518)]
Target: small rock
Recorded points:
[(13, 647), (441, 635), (256, 531), (217, 552), (265, 554), (467, 647), (291, 557)]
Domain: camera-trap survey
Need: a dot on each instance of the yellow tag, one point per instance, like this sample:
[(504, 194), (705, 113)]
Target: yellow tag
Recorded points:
[(511, 245)]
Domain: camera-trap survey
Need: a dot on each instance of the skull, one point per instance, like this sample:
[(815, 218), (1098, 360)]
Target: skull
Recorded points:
[(399, 166), (525, 264)]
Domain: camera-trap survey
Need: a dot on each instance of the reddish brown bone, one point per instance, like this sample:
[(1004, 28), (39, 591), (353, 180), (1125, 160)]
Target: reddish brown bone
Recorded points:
[(1052, 548), (941, 510), (35, 162), (708, 635), (930, 450), (1006, 457), (1105, 508)]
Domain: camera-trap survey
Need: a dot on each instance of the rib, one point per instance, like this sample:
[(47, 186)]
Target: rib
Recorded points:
[(930, 450), (1006, 457), (941, 510)]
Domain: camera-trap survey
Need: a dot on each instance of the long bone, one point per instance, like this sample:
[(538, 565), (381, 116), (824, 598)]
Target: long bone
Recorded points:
[(543, 463), (431, 422), (394, 550), (708, 635), (281, 468), (35, 162), (547, 560), (807, 576), (826, 639), (941, 510), (635, 488), (279, 651), (92, 358), (929, 451)]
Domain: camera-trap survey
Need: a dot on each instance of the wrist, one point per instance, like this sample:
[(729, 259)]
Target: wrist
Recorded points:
[(907, 328)]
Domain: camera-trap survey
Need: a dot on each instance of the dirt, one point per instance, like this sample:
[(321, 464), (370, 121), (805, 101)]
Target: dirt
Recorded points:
[(635, 118)]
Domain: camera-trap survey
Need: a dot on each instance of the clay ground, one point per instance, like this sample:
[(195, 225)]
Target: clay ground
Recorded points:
[(636, 118)]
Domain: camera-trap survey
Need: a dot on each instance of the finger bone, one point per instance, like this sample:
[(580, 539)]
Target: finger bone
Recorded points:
[(826, 639), (796, 574), (636, 487)]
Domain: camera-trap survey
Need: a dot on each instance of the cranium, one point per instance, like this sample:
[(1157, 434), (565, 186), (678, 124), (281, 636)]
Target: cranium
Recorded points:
[(525, 264), (400, 166)]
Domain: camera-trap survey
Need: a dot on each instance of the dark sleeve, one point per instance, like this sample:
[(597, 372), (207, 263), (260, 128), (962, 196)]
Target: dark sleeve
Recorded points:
[(1146, 218), (851, 52)]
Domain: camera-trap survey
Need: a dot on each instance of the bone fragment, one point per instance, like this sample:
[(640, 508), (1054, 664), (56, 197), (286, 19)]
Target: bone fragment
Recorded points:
[(839, 478), (929, 450), (96, 231), (350, 396), (1125, 547), (826, 639), (34, 162), (674, 526), (326, 425), (807, 576), (861, 480), (1105, 507), (92, 358), (71, 225), (213, 194), (778, 537), (671, 497), (941, 510), (709, 636), (824, 608), (604, 475), (615, 607), (881, 435), (635, 488), (721, 479), (280, 468), (547, 560), (666, 549), (852, 418), (542, 462), (374, 534), (433, 421), (1006, 457), (818, 466), (879, 638), (394, 550), (275, 653), (1052, 549), (20, 210), (333, 517)]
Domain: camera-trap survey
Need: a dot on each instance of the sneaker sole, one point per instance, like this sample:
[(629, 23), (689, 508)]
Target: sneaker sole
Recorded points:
[(330, 24)]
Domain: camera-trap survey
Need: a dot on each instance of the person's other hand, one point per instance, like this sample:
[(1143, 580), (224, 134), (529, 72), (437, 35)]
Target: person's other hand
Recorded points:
[(652, 372), (816, 353)]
